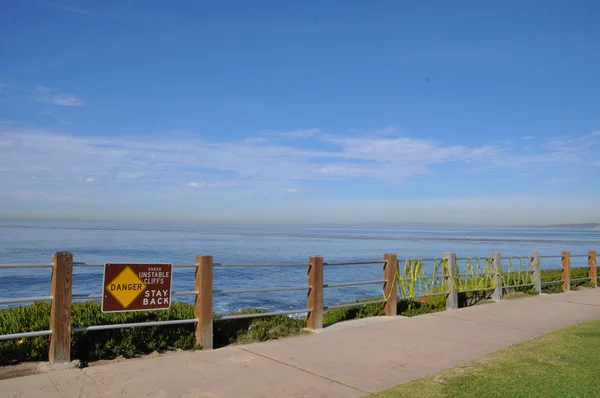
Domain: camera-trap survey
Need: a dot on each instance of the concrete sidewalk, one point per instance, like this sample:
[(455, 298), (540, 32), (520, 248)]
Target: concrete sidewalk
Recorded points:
[(348, 362)]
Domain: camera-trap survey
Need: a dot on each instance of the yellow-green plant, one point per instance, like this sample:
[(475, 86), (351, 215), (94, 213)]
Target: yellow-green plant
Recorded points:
[(475, 275), (435, 283), (521, 276), (412, 281), (408, 277)]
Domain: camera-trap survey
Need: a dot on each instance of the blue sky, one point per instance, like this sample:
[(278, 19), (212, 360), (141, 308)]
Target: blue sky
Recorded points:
[(325, 111)]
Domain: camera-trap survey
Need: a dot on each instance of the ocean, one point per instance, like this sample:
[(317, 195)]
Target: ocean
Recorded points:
[(100, 242)]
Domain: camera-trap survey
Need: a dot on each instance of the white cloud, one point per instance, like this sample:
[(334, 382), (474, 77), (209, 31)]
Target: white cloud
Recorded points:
[(75, 10), (129, 175), (47, 95), (575, 144), (174, 163), (7, 143), (200, 185), (383, 159), (300, 133)]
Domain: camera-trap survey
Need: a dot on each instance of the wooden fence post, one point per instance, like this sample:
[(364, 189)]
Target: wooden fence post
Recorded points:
[(60, 314), (389, 286), (565, 274), (315, 293), (498, 292), (593, 271), (203, 309), (451, 279), (536, 274)]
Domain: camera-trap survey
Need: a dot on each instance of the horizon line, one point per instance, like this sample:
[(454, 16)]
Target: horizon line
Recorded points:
[(242, 223)]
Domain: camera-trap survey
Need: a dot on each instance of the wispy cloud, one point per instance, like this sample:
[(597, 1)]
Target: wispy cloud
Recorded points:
[(71, 9), (300, 133), (196, 184), (4, 92), (575, 144), (179, 162), (129, 175), (47, 95), (559, 180)]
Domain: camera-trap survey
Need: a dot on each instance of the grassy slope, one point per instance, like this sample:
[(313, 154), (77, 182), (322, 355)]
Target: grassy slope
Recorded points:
[(564, 363)]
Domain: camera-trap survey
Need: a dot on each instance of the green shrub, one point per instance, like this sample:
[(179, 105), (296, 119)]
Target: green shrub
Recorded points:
[(423, 305), (28, 318), (262, 329), (247, 330), (107, 344), (405, 307), (129, 342), (360, 311), (555, 286), (555, 275)]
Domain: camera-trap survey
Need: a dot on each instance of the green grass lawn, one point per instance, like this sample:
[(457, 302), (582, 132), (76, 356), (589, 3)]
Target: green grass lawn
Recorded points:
[(564, 363)]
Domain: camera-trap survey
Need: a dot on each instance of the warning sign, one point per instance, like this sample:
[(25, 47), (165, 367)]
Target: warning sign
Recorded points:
[(136, 287)]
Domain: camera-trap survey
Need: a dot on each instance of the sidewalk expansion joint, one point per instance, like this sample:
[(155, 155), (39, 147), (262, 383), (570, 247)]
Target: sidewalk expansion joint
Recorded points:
[(574, 302), (305, 371), (494, 323), (56, 386)]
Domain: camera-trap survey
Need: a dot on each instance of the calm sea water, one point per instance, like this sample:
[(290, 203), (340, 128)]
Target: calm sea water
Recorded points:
[(34, 242)]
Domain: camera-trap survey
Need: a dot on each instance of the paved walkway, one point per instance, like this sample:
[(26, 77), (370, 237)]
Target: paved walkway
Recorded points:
[(347, 362)]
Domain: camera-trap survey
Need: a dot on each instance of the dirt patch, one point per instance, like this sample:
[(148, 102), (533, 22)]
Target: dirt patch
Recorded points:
[(20, 370), (33, 368), (516, 295), (154, 354), (581, 287)]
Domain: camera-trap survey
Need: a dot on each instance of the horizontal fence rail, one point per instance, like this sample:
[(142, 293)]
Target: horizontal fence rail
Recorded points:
[(132, 325), (267, 290), (521, 285), (86, 296), (25, 266), (330, 285), (349, 305), (24, 335), (258, 265), (25, 300), (185, 293), (260, 314), (354, 263), (402, 279)]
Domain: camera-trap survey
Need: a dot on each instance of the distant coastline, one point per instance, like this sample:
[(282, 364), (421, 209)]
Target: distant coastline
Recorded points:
[(587, 226), (135, 225)]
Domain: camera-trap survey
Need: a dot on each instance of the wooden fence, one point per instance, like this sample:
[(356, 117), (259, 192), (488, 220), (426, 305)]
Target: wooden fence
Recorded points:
[(62, 297)]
